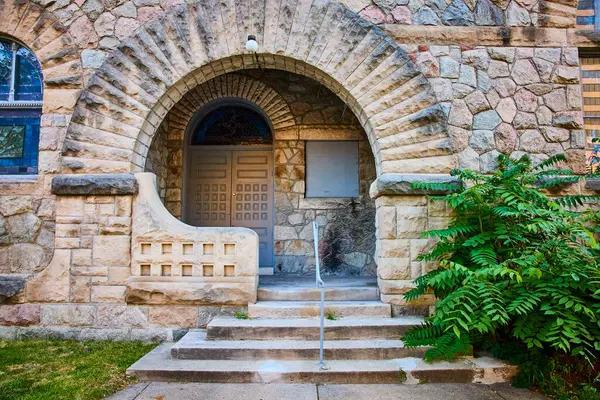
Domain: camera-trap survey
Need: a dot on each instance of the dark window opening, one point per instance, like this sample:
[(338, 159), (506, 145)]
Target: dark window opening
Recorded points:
[(232, 125)]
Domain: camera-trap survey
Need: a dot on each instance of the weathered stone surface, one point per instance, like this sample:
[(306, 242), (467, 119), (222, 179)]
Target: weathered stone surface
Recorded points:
[(449, 67), (467, 75), (505, 87), (489, 161), (458, 14), (98, 184), (532, 141), (502, 53), (425, 16), (517, 15), (553, 134), (525, 120), (568, 119), (20, 314), (524, 73), (544, 69), (190, 293), (397, 184), (11, 205), (487, 120), (487, 13), (181, 317), (460, 115), (506, 109), (564, 74), (11, 285), (482, 141), (526, 101), (92, 58), (122, 316), (52, 284), (477, 58), (23, 227), (469, 159), (25, 258), (506, 138), (476, 102), (556, 100), (68, 314)]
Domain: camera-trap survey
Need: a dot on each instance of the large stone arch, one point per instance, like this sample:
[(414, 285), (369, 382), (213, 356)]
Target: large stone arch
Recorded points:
[(53, 46), (129, 95)]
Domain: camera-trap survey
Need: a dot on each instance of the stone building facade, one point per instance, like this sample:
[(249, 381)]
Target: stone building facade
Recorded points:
[(92, 242)]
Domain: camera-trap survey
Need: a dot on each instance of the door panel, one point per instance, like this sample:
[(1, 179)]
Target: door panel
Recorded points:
[(252, 199), (233, 188), (209, 192)]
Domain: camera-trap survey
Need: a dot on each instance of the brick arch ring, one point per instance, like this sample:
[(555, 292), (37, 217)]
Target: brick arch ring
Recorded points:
[(148, 73), (231, 87)]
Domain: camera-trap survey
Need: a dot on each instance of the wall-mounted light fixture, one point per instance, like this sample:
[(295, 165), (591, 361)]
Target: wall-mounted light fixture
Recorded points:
[(252, 44)]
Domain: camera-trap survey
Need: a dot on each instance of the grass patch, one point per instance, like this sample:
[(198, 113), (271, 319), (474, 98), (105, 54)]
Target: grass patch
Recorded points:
[(65, 369)]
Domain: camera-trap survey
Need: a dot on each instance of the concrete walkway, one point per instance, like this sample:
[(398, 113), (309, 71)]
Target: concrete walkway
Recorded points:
[(254, 391)]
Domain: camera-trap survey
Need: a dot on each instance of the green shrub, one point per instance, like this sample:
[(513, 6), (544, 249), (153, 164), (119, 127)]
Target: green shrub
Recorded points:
[(514, 263)]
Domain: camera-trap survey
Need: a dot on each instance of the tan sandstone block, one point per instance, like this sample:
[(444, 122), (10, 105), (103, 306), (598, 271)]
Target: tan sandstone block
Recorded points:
[(69, 206), (123, 206), (393, 248), (108, 294), (118, 275), (385, 222), (393, 268), (425, 300), (111, 251), (82, 258), (80, 289), (52, 284), (122, 316), (395, 286), (181, 317)]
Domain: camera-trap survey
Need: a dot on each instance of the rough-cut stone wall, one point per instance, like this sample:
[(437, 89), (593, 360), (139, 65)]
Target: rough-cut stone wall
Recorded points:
[(313, 113), (508, 100), (347, 232), (26, 227)]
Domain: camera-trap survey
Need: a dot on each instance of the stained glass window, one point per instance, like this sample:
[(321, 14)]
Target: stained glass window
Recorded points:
[(20, 108), (12, 139), (5, 69), (232, 125)]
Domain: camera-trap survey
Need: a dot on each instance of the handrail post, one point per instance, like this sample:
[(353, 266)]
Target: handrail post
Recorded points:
[(321, 285)]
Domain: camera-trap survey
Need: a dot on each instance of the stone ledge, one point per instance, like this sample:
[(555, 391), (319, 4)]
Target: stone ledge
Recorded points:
[(401, 184), (84, 334), (95, 185)]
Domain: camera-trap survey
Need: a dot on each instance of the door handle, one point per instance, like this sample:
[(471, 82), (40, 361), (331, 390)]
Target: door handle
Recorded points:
[(234, 194)]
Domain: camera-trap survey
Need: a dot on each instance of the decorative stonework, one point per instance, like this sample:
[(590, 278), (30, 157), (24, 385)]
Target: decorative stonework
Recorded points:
[(147, 86), (174, 263)]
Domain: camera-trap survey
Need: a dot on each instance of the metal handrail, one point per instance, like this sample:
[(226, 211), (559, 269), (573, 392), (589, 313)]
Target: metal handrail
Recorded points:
[(321, 285)]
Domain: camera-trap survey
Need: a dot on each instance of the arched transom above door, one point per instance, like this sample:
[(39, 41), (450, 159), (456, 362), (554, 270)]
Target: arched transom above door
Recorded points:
[(140, 81)]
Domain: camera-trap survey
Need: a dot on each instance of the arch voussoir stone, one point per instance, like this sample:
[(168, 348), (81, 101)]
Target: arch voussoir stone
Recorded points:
[(174, 56)]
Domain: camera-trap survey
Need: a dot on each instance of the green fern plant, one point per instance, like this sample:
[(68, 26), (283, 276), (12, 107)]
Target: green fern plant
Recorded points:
[(513, 259)]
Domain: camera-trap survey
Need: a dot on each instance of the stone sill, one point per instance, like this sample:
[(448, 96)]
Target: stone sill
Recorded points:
[(401, 184), (19, 178), (95, 185)]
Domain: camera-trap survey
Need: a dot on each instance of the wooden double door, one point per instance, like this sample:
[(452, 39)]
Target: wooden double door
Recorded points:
[(233, 188)]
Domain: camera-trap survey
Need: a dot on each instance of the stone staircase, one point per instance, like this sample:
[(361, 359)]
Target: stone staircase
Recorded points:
[(280, 343)]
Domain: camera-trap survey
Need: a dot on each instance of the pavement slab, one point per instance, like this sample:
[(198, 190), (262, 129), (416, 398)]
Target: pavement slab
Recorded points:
[(276, 391)]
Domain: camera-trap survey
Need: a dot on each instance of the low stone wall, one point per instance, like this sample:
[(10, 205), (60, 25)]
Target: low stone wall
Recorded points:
[(174, 263)]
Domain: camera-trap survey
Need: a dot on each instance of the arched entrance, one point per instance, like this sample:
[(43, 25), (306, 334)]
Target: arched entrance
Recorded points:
[(228, 164)]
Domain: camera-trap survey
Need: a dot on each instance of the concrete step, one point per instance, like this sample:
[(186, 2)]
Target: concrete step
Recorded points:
[(309, 309), (285, 288), (230, 328), (158, 365), (273, 293), (194, 346)]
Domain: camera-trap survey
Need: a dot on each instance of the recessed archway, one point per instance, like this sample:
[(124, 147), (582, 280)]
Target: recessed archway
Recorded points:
[(169, 56)]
